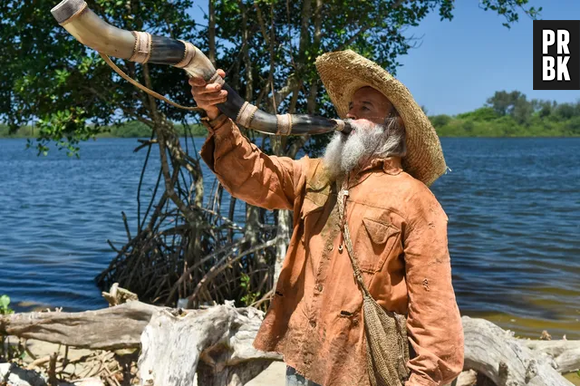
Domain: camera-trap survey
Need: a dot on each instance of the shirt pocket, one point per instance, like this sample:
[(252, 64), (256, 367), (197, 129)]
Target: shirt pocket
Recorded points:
[(375, 241)]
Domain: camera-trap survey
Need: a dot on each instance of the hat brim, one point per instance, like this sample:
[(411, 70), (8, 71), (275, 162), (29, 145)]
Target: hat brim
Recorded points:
[(344, 72)]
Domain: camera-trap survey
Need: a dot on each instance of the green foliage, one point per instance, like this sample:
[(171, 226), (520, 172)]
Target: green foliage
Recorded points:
[(249, 297), (512, 115), (196, 130), (131, 129), (440, 120), (5, 305), (9, 351), (21, 132), (481, 114), (508, 9), (49, 79), (373, 28)]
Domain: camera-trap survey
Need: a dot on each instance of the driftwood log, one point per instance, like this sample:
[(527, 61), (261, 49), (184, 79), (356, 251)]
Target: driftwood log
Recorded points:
[(106, 329), (508, 361), (566, 353), (220, 339), (217, 342)]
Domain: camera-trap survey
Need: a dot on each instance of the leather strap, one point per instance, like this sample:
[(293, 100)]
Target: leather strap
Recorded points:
[(341, 202), (141, 87)]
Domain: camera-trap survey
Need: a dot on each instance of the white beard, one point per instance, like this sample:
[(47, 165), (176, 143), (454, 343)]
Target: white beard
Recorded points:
[(369, 141)]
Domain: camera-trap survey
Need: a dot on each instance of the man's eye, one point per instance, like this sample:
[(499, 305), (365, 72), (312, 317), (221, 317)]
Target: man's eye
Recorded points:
[(365, 108)]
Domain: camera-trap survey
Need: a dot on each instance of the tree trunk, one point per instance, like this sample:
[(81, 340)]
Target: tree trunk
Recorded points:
[(284, 227), (252, 225), (305, 16), (311, 104), (211, 32)]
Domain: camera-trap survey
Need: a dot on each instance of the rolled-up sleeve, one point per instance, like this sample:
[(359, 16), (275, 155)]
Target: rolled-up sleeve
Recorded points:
[(246, 172), (434, 324)]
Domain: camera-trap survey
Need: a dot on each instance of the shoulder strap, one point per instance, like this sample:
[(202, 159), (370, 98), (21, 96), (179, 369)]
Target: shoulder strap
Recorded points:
[(341, 202)]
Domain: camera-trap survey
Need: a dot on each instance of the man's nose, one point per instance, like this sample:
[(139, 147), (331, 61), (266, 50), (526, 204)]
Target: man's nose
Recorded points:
[(351, 115)]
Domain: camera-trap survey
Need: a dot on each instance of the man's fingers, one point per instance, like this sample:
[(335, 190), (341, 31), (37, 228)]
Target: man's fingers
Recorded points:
[(209, 96), (213, 103), (208, 89), (211, 99), (197, 81)]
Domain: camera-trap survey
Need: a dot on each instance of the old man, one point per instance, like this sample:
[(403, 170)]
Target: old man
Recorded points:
[(398, 230)]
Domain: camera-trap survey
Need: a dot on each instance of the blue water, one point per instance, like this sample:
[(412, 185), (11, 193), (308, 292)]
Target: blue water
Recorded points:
[(513, 207)]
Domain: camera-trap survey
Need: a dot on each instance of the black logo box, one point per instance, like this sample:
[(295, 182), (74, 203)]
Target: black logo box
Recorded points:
[(573, 27)]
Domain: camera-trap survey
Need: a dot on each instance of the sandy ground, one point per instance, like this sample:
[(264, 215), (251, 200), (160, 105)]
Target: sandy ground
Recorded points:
[(274, 375)]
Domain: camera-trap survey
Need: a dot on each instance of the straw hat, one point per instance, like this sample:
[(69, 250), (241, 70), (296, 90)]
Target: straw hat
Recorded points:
[(344, 72)]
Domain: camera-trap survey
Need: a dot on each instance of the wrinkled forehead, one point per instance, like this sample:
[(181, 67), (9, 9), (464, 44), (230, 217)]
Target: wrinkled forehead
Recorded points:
[(369, 94)]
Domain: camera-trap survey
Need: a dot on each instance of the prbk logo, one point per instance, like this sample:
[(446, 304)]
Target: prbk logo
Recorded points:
[(556, 54)]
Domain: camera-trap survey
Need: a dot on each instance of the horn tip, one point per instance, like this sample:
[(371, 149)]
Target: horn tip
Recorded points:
[(67, 9)]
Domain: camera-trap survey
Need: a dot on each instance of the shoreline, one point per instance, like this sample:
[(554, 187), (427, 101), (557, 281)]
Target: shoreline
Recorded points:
[(273, 375), (522, 327)]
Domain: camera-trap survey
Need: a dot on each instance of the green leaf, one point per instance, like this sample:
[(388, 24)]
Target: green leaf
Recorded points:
[(4, 305), (4, 301)]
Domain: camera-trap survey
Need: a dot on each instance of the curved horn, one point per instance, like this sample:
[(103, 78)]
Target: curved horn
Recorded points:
[(92, 31)]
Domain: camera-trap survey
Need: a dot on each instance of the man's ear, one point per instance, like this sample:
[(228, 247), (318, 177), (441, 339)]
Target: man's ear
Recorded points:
[(400, 121)]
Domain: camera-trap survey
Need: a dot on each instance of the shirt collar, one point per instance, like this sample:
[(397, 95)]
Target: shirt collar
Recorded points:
[(389, 165)]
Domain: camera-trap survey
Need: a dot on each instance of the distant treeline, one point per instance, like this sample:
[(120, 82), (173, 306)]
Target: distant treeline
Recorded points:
[(133, 129), (511, 114), (506, 114)]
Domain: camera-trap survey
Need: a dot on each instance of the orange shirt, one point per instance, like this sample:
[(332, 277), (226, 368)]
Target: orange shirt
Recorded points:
[(399, 233)]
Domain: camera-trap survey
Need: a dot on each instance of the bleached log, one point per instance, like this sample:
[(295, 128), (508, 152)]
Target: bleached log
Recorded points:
[(495, 353), (566, 353), (217, 342), (106, 329)]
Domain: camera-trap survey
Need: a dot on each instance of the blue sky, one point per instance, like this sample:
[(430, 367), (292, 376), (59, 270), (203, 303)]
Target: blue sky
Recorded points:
[(461, 63)]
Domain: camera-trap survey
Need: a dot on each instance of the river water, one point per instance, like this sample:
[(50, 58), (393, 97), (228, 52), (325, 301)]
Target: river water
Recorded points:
[(513, 207)]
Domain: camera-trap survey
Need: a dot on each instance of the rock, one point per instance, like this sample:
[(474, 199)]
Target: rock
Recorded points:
[(17, 376), (467, 378)]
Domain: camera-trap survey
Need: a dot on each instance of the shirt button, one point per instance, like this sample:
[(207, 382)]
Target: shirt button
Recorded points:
[(340, 248), (319, 287)]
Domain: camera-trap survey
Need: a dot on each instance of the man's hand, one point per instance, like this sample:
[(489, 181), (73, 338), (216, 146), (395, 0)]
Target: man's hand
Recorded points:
[(208, 95)]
